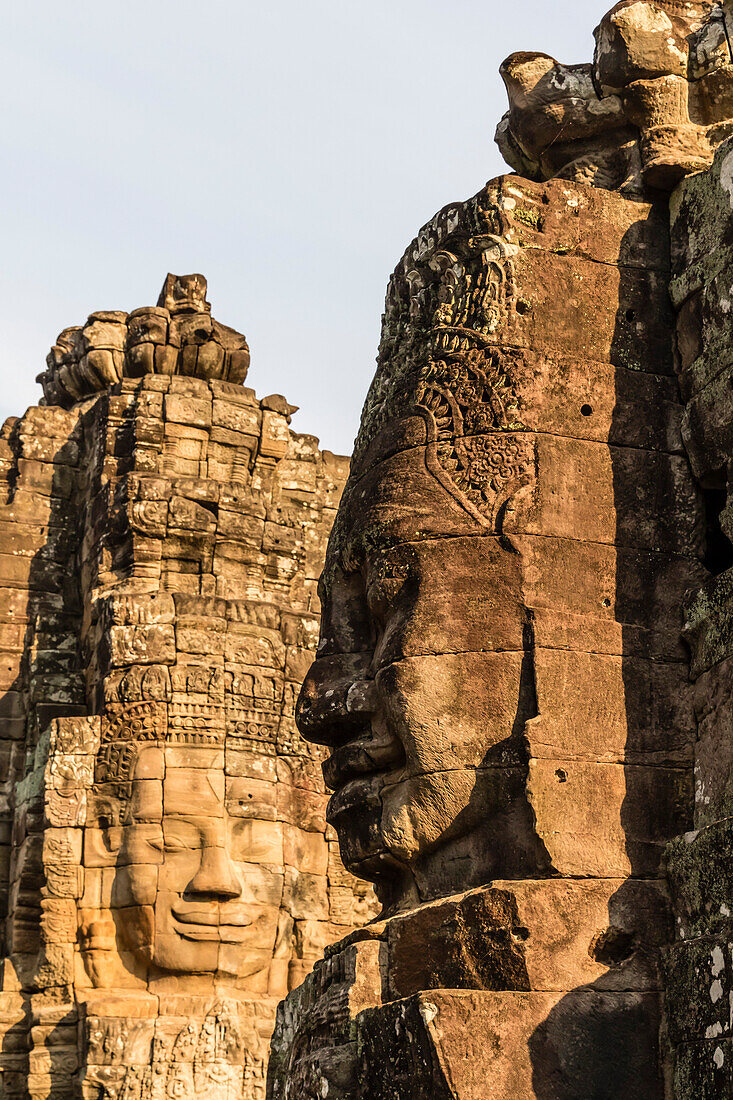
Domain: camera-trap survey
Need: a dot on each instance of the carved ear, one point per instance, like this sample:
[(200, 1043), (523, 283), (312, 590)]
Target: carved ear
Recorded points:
[(97, 940), (103, 833)]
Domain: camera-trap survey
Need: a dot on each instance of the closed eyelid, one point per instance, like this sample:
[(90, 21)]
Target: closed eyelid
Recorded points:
[(387, 579), (182, 831), (383, 587), (172, 842)]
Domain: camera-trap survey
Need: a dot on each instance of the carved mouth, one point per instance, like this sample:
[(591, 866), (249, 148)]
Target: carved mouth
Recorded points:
[(209, 926), (360, 759), (356, 773)]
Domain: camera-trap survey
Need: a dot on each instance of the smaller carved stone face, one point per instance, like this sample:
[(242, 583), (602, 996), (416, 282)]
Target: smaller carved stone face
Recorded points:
[(193, 891), (421, 688)]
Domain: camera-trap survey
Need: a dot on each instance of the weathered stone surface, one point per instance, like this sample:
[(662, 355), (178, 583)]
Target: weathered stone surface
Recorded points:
[(650, 110), (501, 678), (178, 337), (468, 1041), (165, 859), (435, 1045), (530, 561), (697, 968), (703, 1070)]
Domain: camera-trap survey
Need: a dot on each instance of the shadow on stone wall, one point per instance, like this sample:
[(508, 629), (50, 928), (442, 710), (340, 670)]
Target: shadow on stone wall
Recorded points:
[(41, 516), (603, 1040)]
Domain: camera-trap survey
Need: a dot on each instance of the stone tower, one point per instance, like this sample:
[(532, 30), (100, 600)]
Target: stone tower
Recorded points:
[(166, 859), (524, 673)]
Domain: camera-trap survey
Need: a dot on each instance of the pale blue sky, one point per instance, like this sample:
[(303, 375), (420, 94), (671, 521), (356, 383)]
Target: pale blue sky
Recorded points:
[(287, 150)]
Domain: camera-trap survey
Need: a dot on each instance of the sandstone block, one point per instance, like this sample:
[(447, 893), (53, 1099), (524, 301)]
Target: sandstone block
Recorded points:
[(191, 411), (698, 989), (275, 438), (525, 1030)]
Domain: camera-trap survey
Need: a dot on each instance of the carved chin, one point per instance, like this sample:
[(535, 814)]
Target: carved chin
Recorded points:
[(385, 826), (172, 952), (355, 812), (421, 813)]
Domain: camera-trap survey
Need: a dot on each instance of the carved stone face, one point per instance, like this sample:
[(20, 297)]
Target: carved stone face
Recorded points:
[(193, 891), (422, 687)]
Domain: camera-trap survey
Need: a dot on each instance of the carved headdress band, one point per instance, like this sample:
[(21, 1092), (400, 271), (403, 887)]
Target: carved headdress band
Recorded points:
[(455, 286), (129, 727)]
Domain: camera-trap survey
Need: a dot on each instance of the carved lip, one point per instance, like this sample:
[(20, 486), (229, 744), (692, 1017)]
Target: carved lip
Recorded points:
[(357, 796), (362, 759), (197, 924)]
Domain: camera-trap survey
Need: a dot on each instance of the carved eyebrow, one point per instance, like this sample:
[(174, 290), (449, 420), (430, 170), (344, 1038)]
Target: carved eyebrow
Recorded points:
[(174, 822), (367, 543), (181, 828)]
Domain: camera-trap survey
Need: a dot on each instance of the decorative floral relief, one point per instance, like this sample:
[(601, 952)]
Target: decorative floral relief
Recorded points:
[(440, 360), (476, 447)]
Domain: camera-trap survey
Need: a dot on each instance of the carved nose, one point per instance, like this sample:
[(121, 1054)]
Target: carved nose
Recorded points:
[(362, 697), (331, 703), (215, 876)]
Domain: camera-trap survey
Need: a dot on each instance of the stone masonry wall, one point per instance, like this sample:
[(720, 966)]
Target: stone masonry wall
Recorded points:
[(699, 968), (165, 853)]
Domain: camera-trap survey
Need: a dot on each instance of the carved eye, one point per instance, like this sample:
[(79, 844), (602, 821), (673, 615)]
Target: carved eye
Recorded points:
[(180, 837), (381, 595), (173, 844)]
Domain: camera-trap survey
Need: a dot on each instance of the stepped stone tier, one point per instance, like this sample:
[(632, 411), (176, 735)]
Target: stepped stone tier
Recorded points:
[(524, 677), (166, 863)]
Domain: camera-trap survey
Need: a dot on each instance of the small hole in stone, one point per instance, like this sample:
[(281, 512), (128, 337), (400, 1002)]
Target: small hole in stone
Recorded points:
[(630, 315), (521, 934), (561, 775), (606, 602), (612, 947), (718, 549), (522, 306), (586, 410)]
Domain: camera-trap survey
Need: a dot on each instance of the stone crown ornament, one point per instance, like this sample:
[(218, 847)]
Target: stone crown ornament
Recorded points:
[(439, 361), (177, 337), (651, 108)]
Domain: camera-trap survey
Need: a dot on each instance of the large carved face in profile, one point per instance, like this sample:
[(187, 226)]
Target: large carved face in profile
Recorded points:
[(421, 689), (195, 888), (423, 680)]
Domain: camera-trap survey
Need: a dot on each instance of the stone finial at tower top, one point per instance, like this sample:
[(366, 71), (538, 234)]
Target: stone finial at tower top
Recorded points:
[(651, 108), (178, 336), (184, 294)]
